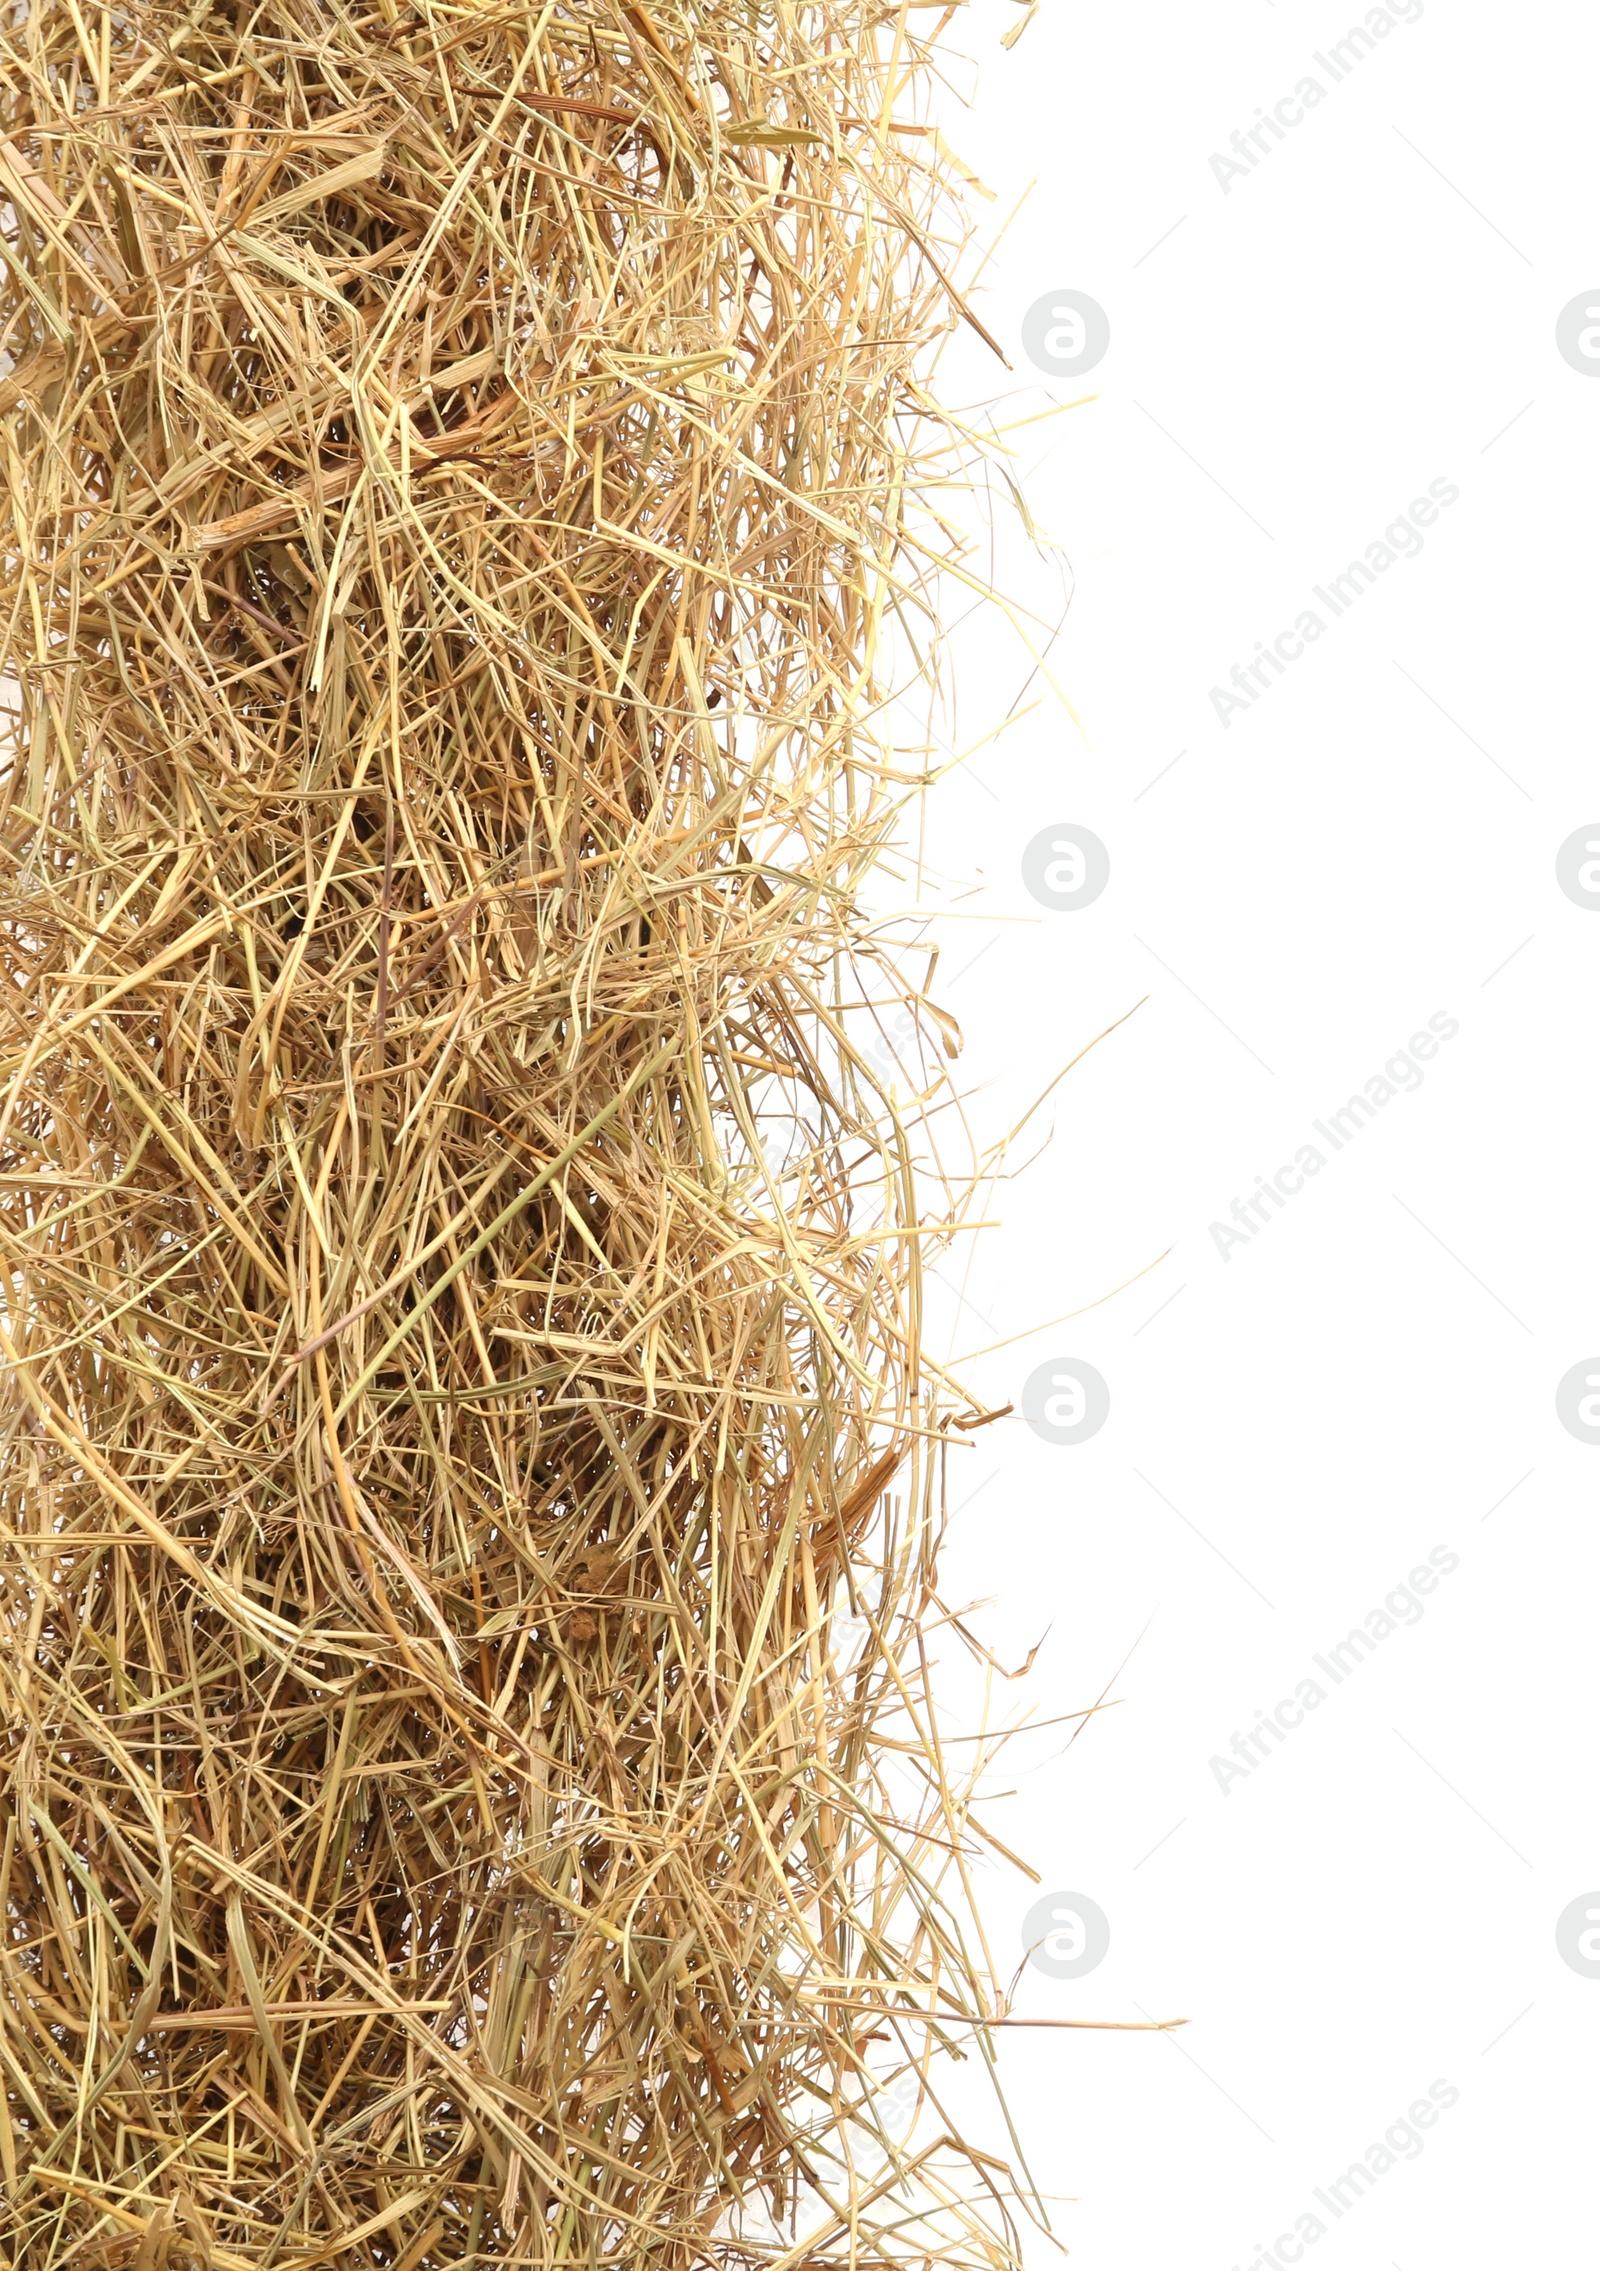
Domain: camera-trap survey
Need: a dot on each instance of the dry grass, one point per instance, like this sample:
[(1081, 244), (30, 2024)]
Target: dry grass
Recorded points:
[(458, 474)]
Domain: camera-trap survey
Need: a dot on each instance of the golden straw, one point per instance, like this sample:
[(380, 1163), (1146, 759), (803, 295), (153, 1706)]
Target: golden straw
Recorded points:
[(463, 1285)]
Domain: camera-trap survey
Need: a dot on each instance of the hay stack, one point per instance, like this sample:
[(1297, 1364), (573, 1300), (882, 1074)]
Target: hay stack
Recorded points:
[(457, 463)]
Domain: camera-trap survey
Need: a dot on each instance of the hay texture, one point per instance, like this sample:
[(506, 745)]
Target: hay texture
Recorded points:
[(461, 1304)]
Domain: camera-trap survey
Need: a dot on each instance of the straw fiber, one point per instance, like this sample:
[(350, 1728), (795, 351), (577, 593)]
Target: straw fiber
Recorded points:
[(469, 1484)]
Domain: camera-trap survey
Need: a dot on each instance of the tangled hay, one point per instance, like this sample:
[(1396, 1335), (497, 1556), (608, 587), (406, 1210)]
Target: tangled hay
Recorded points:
[(462, 1277)]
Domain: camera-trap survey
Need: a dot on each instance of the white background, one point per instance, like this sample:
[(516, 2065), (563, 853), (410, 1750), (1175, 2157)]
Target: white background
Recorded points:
[(1373, 1375)]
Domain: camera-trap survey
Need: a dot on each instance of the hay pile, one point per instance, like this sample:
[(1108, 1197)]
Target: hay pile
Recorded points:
[(462, 1283)]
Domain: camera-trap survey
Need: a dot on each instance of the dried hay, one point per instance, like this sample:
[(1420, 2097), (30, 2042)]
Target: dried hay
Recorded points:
[(459, 475)]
